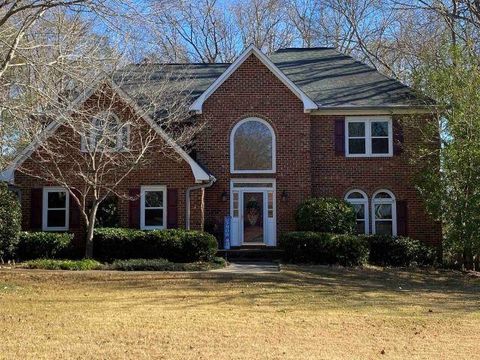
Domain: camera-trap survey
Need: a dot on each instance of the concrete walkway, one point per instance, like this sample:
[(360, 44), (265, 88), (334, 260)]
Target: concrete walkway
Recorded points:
[(250, 268)]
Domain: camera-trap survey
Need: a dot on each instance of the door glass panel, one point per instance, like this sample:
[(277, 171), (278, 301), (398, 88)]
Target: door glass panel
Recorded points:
[(235, 204), (253, 217), (270, 204)]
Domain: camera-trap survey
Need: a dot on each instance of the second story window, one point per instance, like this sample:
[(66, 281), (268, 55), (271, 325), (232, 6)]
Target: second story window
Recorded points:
[(106, 133), (368, 136), (252, 147)]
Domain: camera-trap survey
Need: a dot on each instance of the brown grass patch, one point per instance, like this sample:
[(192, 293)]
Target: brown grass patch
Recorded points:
[(300, 313)]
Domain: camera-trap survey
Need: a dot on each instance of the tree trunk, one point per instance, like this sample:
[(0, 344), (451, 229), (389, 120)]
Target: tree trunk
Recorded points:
[(90, 229), (467, 258)]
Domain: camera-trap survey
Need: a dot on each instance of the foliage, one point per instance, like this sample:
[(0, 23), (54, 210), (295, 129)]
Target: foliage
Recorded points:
[(10, 222), (174, 245), (325, 215), (51, 264), (399, 251), (164, 265), (324, 248), (36, 245), (450, 174), (107, 213)]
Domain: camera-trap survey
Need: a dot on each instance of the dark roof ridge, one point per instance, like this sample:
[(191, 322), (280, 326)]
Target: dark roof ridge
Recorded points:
[(306, 48), (179, 64)]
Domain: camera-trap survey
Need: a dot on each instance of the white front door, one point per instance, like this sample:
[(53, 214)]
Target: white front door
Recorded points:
[(252, 210)]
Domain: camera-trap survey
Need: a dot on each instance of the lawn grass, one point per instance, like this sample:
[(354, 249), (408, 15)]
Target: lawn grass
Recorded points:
[(300, 313)]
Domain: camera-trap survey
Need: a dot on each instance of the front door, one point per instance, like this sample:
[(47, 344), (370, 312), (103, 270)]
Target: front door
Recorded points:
[(253, 218)]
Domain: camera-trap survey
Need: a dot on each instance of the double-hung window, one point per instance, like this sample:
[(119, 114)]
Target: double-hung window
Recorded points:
[(55, 209), (153, 205), (368, 136)]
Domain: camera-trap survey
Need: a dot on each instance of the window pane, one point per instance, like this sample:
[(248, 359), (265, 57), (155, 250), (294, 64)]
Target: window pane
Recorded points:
[(235, 204), (380, 146), (57, 199), (356, 146), (270, 204), (360, 229), (383, 211), (154, 217), (383, 195), (383, 227), (355, 195), (380, 128), (356, 129), (253, 147), (359, 210), (153, 198), (56, 218)]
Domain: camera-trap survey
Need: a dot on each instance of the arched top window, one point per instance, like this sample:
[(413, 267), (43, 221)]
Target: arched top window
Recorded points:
[(359, 200), (106, 133), (252, 147), (384, 212)]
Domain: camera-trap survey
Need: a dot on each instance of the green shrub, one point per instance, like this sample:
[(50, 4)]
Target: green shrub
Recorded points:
[(51, 264), (328, 215), (174, 245), (399, 251), (324, 248), (163, 265), (43, 245), (10, 222)]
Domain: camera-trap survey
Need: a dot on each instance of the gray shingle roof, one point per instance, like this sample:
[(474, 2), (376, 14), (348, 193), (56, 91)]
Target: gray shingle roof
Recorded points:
[(328, 77)]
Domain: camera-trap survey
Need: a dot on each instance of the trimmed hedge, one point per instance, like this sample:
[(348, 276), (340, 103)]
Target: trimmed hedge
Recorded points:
[(324, 248), (40, 245), (399, 251), (174, 245), (329, 215), (51, 264), (10, 219)]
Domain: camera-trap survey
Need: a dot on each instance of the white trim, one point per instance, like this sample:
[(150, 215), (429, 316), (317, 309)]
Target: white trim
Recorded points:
[(367, 120), (308, 104), (365, 111), (148, 188), (392, 201), (232, 148), (45, 208), (363, 202), (9, 173)]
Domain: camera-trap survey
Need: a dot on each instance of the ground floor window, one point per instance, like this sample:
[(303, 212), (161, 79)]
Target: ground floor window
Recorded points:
[(359, 201), (153, 200), (384, 213), (55, 209)]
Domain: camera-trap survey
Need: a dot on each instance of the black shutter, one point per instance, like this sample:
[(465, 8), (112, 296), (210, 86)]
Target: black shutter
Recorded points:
[(397, 137), (402, 226), (36, 208), (172, 208), (134, 209), (339, 137)]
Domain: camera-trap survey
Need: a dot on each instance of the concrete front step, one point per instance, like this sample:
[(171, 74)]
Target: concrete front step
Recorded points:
[(251, 254)]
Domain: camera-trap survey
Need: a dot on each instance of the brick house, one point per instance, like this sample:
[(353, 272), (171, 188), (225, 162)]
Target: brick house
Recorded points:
[(280, 129)]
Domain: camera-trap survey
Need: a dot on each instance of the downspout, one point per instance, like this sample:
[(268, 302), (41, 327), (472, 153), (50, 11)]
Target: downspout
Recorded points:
[(187, 198)]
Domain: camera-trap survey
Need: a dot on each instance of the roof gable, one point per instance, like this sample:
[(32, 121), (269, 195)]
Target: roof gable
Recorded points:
[(308, 104)]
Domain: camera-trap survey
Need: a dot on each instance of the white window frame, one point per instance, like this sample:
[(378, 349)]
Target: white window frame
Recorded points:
[(148, 188), (367, 120), (120, 146), (232, 148), (392, 201), (45, 208), (363, 202)]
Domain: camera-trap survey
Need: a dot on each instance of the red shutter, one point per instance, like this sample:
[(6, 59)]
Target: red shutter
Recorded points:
[(36, 199), (134, 208), (74, 210), (397, 137), (402, 228), (339, 137), (172, 208)]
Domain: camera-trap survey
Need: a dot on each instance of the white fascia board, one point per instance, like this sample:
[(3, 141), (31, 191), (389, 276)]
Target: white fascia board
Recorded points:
[(308, 104)]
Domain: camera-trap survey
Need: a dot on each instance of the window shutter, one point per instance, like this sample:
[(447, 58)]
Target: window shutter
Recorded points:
[(74, 211), (172, 208), (36, 208), (339, 137), (134, 209), (402, 218), (397, 137)]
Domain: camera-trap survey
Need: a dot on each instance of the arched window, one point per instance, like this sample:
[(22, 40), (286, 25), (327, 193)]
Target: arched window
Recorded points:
[(359, 201), (106, 133), (252, 147), (384, 212)]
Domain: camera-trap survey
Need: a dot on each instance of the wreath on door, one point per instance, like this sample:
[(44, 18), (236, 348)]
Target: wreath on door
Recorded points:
[(253, 211)]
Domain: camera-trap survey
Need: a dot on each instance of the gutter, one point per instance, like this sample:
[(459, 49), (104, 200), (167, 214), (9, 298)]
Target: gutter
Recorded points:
[(211, 181)]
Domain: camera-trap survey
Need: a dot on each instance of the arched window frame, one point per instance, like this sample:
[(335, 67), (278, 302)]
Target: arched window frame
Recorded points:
[(232, 148), (123, 133), (364, 202), (392, 201)]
